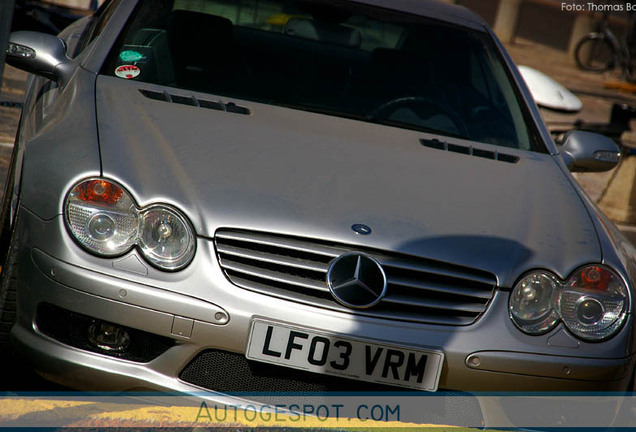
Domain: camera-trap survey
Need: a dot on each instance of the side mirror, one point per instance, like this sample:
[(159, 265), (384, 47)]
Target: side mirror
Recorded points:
[(39, 53), (587, 151)]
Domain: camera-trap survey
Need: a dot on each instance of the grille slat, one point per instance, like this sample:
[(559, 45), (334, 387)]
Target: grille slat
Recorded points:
[(272, 258), (438, 287), (434, 304), (438, 270), (274, 276), (426, 317), (292, 293), (281, 242), (292, 268)]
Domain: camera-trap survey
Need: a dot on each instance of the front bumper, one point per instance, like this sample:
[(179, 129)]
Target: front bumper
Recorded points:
[(203, 314)]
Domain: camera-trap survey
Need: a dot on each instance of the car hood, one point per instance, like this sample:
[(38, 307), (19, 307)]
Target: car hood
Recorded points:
[(288, 171)]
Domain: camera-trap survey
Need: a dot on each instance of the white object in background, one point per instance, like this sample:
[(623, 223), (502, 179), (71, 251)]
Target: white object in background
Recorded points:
[(548, 93)]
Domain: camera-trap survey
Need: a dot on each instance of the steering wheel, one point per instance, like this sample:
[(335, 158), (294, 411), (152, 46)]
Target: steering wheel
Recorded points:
[(422, 107)]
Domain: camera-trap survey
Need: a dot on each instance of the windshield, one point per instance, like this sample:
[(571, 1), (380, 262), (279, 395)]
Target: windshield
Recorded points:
[(334, 58)]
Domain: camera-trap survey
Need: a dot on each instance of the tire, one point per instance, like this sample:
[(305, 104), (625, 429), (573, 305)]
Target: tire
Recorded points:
[(6, 222), (595, 53), (8, 297), (8, 242)]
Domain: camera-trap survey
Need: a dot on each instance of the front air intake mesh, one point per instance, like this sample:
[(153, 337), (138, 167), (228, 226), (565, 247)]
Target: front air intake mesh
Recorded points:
[(293, 268), (232, 373)]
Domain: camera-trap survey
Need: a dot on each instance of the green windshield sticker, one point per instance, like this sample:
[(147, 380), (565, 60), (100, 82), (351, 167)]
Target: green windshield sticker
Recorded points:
[(130, 56)]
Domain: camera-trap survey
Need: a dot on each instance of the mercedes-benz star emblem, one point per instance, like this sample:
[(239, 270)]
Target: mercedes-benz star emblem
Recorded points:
[(361, 229), (356, 280)]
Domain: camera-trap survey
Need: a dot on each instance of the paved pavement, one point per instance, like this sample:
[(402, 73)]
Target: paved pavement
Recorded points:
[(11, 95)]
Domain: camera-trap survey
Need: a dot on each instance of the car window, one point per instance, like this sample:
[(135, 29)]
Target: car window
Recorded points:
[(356, 61)]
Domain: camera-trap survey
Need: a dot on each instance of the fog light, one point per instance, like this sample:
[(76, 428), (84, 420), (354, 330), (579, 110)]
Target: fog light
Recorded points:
[(108, 337)]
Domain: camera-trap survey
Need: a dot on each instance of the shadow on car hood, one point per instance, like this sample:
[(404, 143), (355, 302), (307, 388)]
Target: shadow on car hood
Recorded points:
[(285, 171)]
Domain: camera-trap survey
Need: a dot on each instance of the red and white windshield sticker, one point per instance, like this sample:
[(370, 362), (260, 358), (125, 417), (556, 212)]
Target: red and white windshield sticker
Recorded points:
[(127, 71)]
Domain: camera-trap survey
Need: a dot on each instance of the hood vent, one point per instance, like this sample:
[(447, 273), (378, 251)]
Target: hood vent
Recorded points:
[(195, 102), (469, 150)]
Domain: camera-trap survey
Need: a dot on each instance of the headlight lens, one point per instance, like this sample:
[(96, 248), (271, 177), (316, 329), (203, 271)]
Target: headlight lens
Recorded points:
[(104, 219), (166, 239), (593, 302), (532, 300)]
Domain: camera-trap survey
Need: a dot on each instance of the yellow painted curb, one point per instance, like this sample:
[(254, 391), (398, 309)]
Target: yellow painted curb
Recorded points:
[(11, 409)]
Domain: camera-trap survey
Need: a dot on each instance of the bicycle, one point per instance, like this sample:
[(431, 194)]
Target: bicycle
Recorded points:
[(601, 51)]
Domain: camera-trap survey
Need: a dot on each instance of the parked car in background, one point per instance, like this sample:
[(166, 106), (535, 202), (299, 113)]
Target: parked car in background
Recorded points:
[(206, 195)]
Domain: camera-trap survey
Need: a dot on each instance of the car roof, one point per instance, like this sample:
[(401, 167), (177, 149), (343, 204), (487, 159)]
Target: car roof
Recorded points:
[(436, 9)]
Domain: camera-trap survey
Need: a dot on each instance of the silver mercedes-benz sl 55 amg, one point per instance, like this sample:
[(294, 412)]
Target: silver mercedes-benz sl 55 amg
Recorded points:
[(210, 194)]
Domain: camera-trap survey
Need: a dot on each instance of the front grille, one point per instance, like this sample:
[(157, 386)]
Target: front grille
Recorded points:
[(419, 290)]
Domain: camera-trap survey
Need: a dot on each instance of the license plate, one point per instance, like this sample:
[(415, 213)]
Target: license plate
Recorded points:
[(314, 351)]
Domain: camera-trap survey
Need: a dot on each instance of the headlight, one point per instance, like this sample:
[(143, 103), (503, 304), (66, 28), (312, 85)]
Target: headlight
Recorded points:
[(104, 219), (592, 303), (532, 301), (166, 238)]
